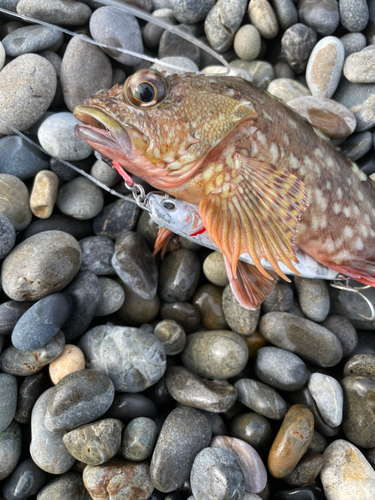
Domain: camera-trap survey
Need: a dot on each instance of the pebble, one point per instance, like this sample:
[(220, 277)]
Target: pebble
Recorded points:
[(306, 470), (30, 39), (253, 429), (318, 443), (97, 252), (44, 194), (280, 299), (247, 43), (126, 407), (10, 449), (208, 301), (205, 351), (116, 217), (152, 33), (190, 12), (286, 13), (261, 72), (80, 198), (135, 310), (261, 398), (135, 264), (183, 62), (297, 43), (358, 97), (324, 67), (191, 390), (354, 17), (357, 145), (280, 369), (358, 423), (353, 42), (186, 314), (223, 21), (104, 173), (185, 432), (179, 275), (117, 28), (322, 16), (287, 89), (313, 297), (69, 361), (247, 458), (291, 442), (112, 297), (360, 364), (353, 307), (239, 319), (2, 56), (283, 70), (27, 479), (8, 399), (56, 136), (30, 390), (24, 363), (64, 172), (344, 331), (76, 228), (55, 11), (79, 398), (47, 448), (85, 70), (19, 158), (346, 474), (359, 66), (95, 444), (19, 213), (216, 475), (7, 237), (68, 486), (263, 17), (28, 86), (328, 396), (139, 439), (301, 336), (214, 269), (171, 335), (134, 360)]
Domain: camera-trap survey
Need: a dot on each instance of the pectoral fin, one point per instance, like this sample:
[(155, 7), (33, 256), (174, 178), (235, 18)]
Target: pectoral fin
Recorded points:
[(163, 239)]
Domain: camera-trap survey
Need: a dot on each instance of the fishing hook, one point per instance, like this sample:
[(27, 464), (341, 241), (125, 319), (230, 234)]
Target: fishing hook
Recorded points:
[(343, 284)]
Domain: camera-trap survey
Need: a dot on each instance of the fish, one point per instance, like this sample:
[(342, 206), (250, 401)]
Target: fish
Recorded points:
[(266, 182)]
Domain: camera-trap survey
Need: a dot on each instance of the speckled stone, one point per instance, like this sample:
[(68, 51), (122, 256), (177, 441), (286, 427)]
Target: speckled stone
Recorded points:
[(287, 89), (222, 22), (280, 299), (328, 396), (247, 43), (353, 42), (280, 369), (190, 12), (21, 81), (183, 312), (205, 351), (263, 17), (185, 432), (179, 275), (44, 193), (96, 443), (133, 359), (239, 319), (216, 474), (68, 486), (359, 67), (30, 39), (313, 297), (322, 16), (297, 43), (208, 301), (191, 390), (301, 336), (214, 269), (357, 145), (70, 360), (360, 364), (139, 439), (305, 471), (25, 481), (171, 335), (346, 474), (80, 199), (291, 441), (135, 310), (261, 72), (10, 449), (79, 398), (30, 390), (126, 407), (344, 331), (8, 399), (55, 11), (47, 448), (354, 17), (116, 217), (112, 297), (253, 429), (97, 252), (358, 97), (125, 479), (103, 172), (286, 13), (261, 398), (182, 62), (19, 213), (7, 236)]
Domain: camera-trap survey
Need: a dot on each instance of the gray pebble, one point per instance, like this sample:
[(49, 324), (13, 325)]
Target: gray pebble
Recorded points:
[(185, 432), (344, 331), (263, 17), (10, 449), (313, 297), (68, 486), (216, 475), (95, 444), (25, 481), (354, 16), (104, 173), (322, 16), (183, 63), (85, 70), (287, 89), (152, 33), (10, 313), (318, 443), (134, 360), (47, 448), (190, 11), (239, 319), (127, 407), (7, 236), (80, 198), (222, 22), (2, 56), (179, 275), (280, 299), (30, 39), (204, 353), (28, 86), (359, 66), (301, 336), (297, 43), (217, 423), (260, 398), (55, 11), (247, 42), (353, 42), (214, 269), (171, 335), (328, 396), (117, 28), (358, 97), (262, 72), (283, 70), (139, 439), (97, 253), (253, 429), (12, 188), (112, 297), (186, 314), (357, 145), (19, 158), (115, 217), (30, 390), (8, 399), (135, 310), (286, 13), (172, 45), (55, 60)]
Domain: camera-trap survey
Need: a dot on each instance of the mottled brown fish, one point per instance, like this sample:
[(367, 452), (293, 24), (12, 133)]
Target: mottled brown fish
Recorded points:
[(266, 182)]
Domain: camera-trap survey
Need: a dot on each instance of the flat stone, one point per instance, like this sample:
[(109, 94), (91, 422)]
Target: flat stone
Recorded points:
[(354, 18), (313, 297), (79, 398), (134, 360), (303, 337), (287, 89), (16, 487), (205, 351), (216, 474), (322, 16), (328, 396), (280, 299), (116, 217), (214, 269), (112, 297), (325, 65), (297, 43), (248, 459), (63, 487), (280, 369), (344, 331), (184, 313), (135, 310), (353, 42), (97, 252), (359, 67), (239, 319), (357, 145), (261, 398), (191, 390), (28, 85), (171, 335), (263, 17), (126, 479), (253, 429), (55, 11), (247, 43), (359, 98), (126, 407), (19, 213), (291, 441), (346, 473), (139, 439), (30, 390), (208, 301), (10, 449), (185, 432), (47, 447), (20, 158), (8, 399), (222, 22), (30, 39), (69, 361), (360, 364)]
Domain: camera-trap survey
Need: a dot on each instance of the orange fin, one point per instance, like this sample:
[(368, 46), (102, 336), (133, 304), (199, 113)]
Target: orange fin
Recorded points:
[(358, 270), (162, 241), (256, 209), (250, 287)]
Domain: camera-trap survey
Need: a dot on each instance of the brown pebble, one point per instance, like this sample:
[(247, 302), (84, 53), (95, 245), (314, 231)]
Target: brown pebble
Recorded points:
[(254, 342), (208, 300), (306, 470), (44, 194), (291, 441), (70, 360), (360, 364)]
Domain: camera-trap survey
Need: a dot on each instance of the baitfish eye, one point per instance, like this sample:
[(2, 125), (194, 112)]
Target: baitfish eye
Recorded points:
[(168, 205), (146, 88)]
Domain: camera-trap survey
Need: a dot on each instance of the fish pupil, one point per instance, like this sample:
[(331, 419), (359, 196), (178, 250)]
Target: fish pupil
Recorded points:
[(144, 92)]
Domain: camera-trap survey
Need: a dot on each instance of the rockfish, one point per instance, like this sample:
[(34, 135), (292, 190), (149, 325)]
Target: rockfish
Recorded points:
[(267, 183)]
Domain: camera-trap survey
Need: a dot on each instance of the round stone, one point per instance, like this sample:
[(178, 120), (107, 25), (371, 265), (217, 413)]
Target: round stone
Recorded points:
[(208, 301), (313, 297), (25, 481), (184, 313), (134, 360), (103, 172), (31, 388), (322, 16), (97, 252), (253, 429), (247, 43), (263, 17), (280, 299), (359, 67), (44, 194), (214, 269), (11, 189), (7, 236), (139, 439), (80, 198), (360, 364), (171, 335), (63, 488), (297, 43), (354, 18), (191, 390), (357, 145), (328, 396), (306, 470), (280, 369), (20, 158), (190, 12), (10, 449), (126, 407), (261, 398), (359, 99), (30, 39), (287, 89), (205, 352), (70, 360), (55, 11), (112, 297), (116, 217), (222, 22), (135, 310), (344, 331), (239, 319), (28, 86), (353, 42), (8, 399)]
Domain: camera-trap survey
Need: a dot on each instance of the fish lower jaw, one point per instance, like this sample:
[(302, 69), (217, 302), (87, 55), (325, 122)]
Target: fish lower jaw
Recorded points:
[(95, 135)]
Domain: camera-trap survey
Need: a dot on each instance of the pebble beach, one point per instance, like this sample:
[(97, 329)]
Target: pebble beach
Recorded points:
[(128, 376)]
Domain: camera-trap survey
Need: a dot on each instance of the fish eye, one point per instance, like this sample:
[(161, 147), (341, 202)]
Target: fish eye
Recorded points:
[(146, 88), (168, 205)]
